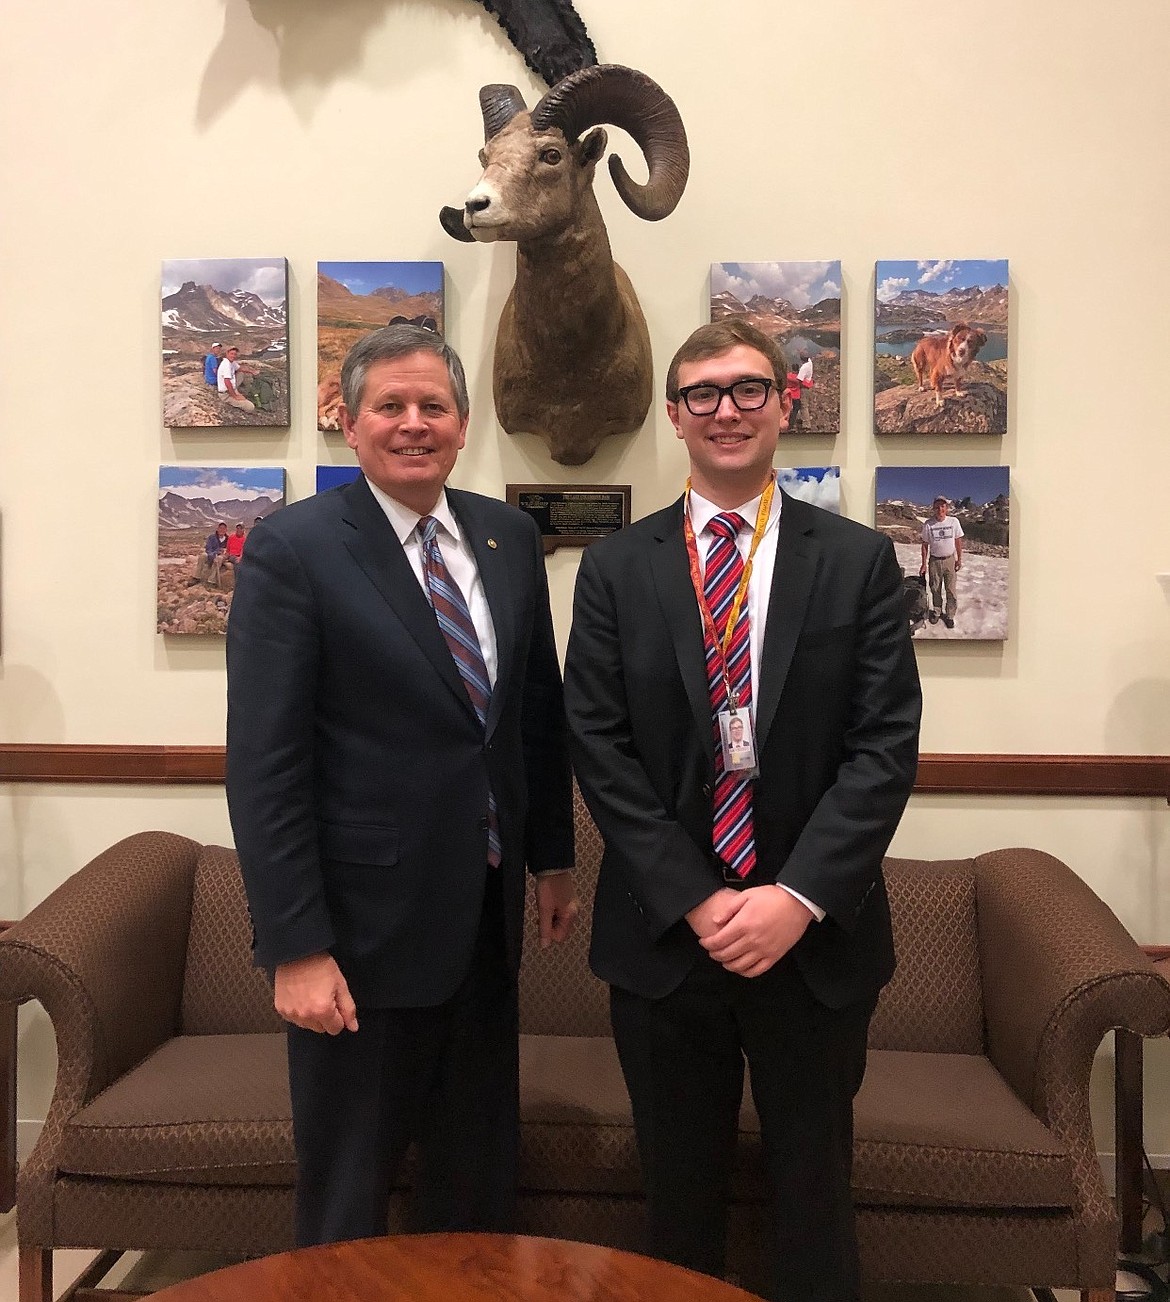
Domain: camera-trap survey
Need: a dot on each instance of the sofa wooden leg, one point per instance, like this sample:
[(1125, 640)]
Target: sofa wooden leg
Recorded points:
[(36, 1274)]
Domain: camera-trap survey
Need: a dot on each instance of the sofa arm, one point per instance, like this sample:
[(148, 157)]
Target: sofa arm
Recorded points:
[(1059, 971), (104, 953)]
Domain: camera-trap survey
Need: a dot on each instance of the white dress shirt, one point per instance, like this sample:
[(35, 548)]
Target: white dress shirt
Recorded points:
[(763, 567), (758, 593), (459, 559)]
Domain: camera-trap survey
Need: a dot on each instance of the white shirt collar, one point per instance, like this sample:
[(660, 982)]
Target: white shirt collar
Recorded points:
[(704, 511), (405, 521)]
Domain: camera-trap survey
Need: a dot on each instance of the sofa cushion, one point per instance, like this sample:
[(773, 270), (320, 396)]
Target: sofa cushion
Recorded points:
[(576, 1130), (946, 1130), (201, 1109), (934, 1004), (223, 993)]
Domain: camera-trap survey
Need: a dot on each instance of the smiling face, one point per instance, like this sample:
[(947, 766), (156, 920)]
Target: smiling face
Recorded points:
[(730, 450), (407, 431)]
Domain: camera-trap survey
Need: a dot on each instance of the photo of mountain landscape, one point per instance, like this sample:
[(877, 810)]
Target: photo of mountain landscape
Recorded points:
[(205, 515), (210, 306), (979, 498), (354, 298), (820, 485), (799, 305), (941, 347)]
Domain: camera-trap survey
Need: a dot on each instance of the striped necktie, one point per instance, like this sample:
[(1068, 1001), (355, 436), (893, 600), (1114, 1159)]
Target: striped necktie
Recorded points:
[(458, 630), (733, 836)]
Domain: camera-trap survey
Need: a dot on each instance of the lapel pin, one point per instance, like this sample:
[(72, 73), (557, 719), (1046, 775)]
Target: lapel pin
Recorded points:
[(492, 543)]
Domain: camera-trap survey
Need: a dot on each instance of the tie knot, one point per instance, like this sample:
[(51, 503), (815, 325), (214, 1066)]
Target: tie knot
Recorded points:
[(428, 527), (726, 525)]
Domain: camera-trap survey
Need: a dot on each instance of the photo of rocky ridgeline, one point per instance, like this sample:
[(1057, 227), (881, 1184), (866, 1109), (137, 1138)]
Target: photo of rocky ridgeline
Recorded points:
[(196, 577), (240, 303), (798, 304), (979, 498), (354, 298), (918, 301)]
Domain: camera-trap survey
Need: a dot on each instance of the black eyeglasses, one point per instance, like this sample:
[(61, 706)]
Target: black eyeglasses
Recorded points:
[(704, 399)]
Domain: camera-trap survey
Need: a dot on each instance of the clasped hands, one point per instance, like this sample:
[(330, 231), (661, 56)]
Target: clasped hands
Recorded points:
[(749, 931)]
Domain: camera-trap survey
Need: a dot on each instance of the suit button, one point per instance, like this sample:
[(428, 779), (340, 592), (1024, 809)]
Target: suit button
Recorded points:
[(483, 824), (707, 789)]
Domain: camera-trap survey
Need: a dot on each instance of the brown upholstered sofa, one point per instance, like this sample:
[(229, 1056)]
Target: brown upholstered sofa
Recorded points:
[(975, 1160)]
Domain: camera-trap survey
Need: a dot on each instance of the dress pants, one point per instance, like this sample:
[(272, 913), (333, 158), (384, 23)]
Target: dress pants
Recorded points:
[(683, 1060), (445, 1077)]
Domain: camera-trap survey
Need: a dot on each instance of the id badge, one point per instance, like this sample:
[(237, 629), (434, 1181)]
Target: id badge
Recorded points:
[(739, 743)]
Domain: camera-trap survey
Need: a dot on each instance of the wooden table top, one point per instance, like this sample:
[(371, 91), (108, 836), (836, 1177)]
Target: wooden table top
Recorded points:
[(454, 1268)]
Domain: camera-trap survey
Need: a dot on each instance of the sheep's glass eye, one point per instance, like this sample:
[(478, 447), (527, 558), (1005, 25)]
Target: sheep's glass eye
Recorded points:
[(550, 156)]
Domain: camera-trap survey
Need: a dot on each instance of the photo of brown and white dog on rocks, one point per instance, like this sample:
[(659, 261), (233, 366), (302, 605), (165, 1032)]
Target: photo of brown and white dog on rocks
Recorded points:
[(937, 357)]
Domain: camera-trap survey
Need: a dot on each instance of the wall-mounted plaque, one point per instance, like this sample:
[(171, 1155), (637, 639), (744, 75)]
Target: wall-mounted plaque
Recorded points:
[(573, 517)]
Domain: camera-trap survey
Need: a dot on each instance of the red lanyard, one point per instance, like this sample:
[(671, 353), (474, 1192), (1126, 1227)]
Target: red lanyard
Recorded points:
[(722, 647)]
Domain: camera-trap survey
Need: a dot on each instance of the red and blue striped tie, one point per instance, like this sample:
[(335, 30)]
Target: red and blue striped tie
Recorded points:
[(456, 626), (733, 836)]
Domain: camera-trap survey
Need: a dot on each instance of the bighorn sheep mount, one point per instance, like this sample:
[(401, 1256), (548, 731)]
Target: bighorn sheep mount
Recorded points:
[(572, 360)]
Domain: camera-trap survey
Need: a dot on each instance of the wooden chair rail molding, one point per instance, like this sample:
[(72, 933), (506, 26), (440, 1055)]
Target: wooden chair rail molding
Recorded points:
[(984, 775)]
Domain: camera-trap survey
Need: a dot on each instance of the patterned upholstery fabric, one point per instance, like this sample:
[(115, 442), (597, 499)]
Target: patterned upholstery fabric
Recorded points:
[(201, 1109), (975, 1159), (223, 992), (945, 1130), (577, 1132), (934, 1004), (558, 993)]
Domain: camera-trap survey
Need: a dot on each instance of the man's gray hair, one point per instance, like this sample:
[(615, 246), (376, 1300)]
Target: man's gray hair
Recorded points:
[(398, 341)]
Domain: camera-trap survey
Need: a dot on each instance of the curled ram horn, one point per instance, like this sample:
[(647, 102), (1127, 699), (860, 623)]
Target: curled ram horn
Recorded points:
[(626, 98), (499, 104), (451, 220)]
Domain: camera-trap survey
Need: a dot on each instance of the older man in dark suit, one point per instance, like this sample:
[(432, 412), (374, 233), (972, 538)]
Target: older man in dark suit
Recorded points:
[(397, 758), (744, 703)]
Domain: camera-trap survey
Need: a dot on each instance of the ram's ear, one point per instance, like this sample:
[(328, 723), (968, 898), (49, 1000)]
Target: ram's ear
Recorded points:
[(591, 147)]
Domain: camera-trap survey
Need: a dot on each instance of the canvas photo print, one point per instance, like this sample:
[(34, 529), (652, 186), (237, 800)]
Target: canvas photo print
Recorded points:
[(335, 476), (354, 298), (950, 526), (205, 517), (798, 304), (941, 347), (820, 485), (225, 342)]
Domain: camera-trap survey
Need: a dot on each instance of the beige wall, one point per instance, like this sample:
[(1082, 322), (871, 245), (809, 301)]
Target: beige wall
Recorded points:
[(131, 133)]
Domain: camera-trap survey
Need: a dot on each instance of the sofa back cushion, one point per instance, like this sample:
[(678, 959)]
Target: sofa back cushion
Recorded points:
[(223, 993), (559, 995), (934, 1004)]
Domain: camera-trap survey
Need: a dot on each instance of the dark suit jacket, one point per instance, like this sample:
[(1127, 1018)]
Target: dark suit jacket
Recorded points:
[(837, 713), (357, 773)]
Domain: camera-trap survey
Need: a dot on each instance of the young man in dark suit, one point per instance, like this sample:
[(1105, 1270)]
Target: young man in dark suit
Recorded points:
[(740, 910), (397, 759)]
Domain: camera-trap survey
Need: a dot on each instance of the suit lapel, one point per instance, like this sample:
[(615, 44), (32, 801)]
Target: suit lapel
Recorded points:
[(372, 542), (676, 595), (492, 562), (797, 552)]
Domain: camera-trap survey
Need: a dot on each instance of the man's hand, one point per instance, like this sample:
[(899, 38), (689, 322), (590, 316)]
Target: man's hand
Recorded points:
[(556, 906), (715, 910), (312, 993), (768, 922)]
